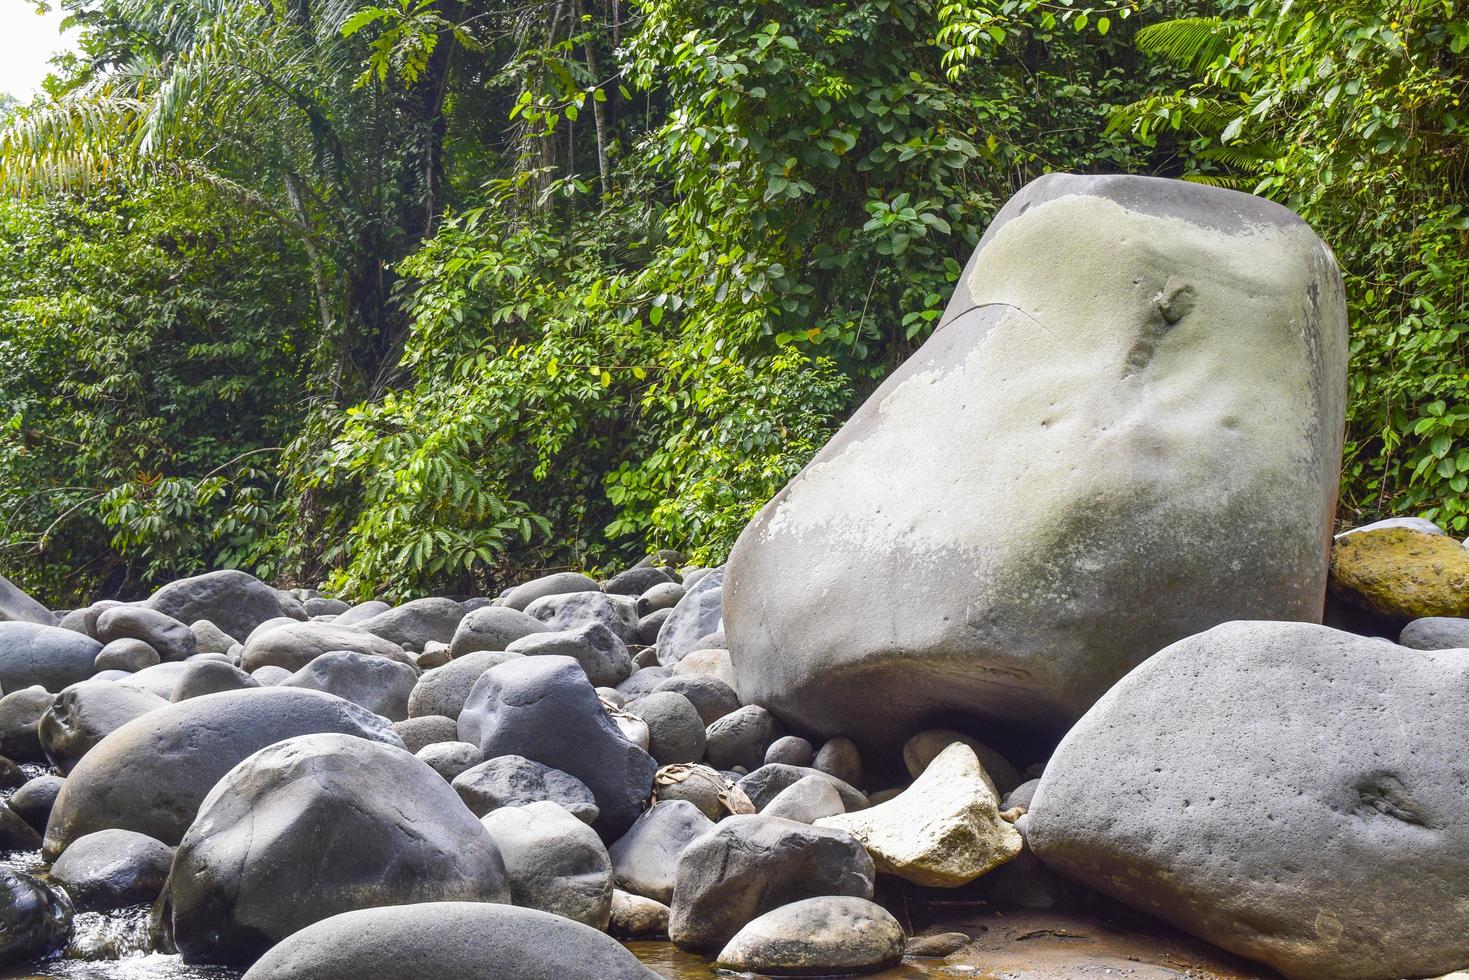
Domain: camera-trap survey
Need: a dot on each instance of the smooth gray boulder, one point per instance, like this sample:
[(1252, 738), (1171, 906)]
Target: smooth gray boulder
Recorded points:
[(513, 780), (45, 655), (601, 652), (770, 780), (378, 684), (443, 690), (172, 639), (112, 869), (553, 862), (449, 759), (15, 833), (417, 623), (419, 733), (86, 713), (675, 730), (151, 774), (33, 801), (492, 628), (1436, 633), (20, 718), (1289, 792), (645, 859), (827, 936), (742, 737), (1088, 460), (748, 865), (636, 917), (545, 709), (18, 607), (709, 695), (203, 677), (561, 583), (636, 581), (578, 609), (232, 600), (806, 800), (459, 940), (696, 615), (314, 826), (660, 597), (35, 918), (209, 638), (295, 645), (127, 654), (361, 612), (158, 680)]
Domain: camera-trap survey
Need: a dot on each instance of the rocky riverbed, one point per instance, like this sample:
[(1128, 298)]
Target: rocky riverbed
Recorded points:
[(953, 708)]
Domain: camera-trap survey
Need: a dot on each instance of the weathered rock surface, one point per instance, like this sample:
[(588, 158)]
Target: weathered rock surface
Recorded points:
[(943, 831), (675, 729), (235, 601), (1436, 633), (112, 869), (1085, 463), (492, 628), (314, 826), (601, 652), (449, 759), (636, 917), (696, 615), (35, 918), (806, 800), (749, 865), (151, 774), (764, 784), (1289, 792), (295, 645), (513, 780), (577, 609), (828, 936), (416, 623), (201, 677), (645, 859), (378, 684), (561, 583), (462, 940), (48, 656), (20, 718), (741, 738), (545, 709), (553, 862), (443, 690), (1402, 573), (18, 607), (127, 654), (419, 733), (33, 801), (924, 747), (172, 639)]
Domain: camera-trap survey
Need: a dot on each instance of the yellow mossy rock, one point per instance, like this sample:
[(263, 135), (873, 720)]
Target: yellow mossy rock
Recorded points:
[(943, 831), (1401, 572)]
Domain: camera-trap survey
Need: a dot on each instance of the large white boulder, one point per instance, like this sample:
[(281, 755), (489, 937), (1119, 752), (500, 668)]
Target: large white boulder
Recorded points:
[(1126, 429)]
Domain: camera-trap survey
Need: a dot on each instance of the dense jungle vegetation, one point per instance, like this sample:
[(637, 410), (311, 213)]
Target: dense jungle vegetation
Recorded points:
[(423, 295)]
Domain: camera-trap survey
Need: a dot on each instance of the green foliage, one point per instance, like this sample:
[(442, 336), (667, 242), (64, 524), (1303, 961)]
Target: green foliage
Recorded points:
[(425, 295), (1351, 114), (148, 347)]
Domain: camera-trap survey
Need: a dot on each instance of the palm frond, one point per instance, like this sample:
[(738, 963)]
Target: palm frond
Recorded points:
[(1194, 43)]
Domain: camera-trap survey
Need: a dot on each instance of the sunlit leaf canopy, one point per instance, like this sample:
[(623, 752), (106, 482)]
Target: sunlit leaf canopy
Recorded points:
[(424, 296)]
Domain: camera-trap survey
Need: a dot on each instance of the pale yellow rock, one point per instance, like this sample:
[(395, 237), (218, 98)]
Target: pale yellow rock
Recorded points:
[(715, 663), (943, 831)]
